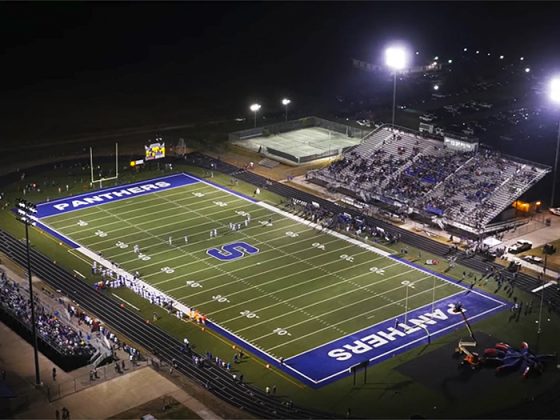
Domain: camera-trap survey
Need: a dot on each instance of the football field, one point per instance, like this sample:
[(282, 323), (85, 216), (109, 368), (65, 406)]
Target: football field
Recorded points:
[(292, 292)]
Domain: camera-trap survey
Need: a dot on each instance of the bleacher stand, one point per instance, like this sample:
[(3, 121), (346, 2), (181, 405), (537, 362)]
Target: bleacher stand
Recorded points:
[(409, 169)]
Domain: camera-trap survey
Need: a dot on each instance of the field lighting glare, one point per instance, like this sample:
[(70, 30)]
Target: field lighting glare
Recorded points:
[(501, 57), (464, 49), (477, 51), (450, 61), (527, 69), (522, 58), (395, 58), (255, 108), (436, 87), (286, 102), (555, 90)]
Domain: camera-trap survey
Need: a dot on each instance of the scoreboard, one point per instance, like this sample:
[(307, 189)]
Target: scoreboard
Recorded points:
[(155, 151)]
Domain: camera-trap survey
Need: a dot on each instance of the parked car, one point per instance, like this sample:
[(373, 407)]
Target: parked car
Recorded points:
[(521, 245), (555, 210), (533, 259)]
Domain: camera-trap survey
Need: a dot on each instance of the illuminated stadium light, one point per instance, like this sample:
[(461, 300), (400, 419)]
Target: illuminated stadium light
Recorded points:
[(255, 108), (527, 69), (395, 59), (554, 90), (501, 57), (417, 52), (554, 94), (286, 102), (450, 61), (477, 51), (436, 87), (464, 49), (522, 58), (488, 54), (436, 58)]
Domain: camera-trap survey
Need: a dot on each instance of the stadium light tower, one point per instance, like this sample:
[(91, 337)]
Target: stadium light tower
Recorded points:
[(255, 108), (395, 59), (286, 102), (555, 97), (26, 212)]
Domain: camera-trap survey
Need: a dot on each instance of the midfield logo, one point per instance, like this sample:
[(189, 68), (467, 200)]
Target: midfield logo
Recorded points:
[(232, 251)]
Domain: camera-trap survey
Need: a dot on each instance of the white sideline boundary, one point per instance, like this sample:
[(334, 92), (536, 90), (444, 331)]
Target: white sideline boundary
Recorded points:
[(323, 229)]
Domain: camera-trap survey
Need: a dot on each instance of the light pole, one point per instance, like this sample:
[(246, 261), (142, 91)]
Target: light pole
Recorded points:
[(26, 214), (548, 249), (555, 97), (255, 108), (395, 59), (286, 102)]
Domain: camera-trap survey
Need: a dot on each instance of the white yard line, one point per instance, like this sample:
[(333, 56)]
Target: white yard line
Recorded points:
[(374, 295), (285, 301), (354, 317), (259, 274), (245, 267)]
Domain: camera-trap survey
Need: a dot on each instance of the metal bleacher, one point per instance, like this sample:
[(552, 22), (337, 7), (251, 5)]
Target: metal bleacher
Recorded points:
[(393, 166)]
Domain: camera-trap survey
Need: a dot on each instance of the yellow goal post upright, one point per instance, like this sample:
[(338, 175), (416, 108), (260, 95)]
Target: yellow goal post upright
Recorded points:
[(100, 180)]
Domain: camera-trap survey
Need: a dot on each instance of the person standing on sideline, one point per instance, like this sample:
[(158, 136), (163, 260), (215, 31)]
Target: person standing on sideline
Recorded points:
[(54, 374)]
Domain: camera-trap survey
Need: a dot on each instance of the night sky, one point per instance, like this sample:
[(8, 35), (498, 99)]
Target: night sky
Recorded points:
[(81, 67)]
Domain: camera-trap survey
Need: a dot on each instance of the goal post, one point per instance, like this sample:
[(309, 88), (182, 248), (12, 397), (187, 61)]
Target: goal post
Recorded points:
[(100, 180)]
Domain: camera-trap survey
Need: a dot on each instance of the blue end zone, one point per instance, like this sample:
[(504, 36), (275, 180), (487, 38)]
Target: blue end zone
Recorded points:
[(109, 195), (381, 341)]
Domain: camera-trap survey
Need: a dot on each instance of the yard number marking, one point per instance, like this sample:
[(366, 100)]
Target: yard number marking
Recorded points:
[(198, 194), (347, 258), (220, 203), (280, 331), (82, 223), (249, 314), (121, 245), (408, 283), (100, 233), (376, 270), (167, 270), (220, 299), (192, 283), (292, 234), (318, 245), (241, 213), (144, 257)]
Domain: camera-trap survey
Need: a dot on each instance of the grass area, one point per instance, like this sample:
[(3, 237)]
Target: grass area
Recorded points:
[(296, 287), (388, 393), (160, 408)]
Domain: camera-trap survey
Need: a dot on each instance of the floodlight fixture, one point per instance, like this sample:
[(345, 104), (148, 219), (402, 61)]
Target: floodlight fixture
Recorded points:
[(501, 57), (395, 58), (436, 87), (465, 49), (522, 58), (255, 108), (450, 61), (527, 69), (554, 94), (417, 52), (477, 51), (26, 213), (286, 102), (554, 90), (436, 58)]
